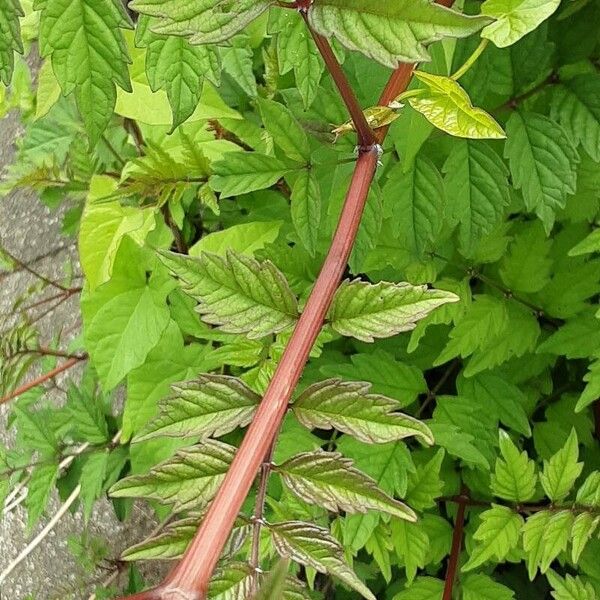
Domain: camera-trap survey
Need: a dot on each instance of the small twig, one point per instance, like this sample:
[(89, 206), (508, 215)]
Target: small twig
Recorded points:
[(37, 259), (42, 378), (36, 541), (431, 395), (25, 267), (180, 243), (122, 162), (457, 538)]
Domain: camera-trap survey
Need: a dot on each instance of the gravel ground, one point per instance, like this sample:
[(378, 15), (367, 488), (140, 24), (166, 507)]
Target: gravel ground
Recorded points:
[(29, 230)]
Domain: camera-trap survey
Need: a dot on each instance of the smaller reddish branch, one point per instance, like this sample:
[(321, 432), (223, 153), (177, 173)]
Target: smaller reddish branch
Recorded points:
[(457, 537), (43, 378)]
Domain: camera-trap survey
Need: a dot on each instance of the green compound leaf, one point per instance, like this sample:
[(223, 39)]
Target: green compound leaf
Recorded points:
[(543, 163), (446, 105), (245, 172), (514, 18), (211, 405), (89, 54), (561, 471), (236, 292), (368, 311), (315, 547), (390, 32), (10, 38), (188, 480), (515, 476), (329, 480), (477, 189), (349, 407), (576, 106), (482, 587), (202, 21), (570, 588), (174, 65)]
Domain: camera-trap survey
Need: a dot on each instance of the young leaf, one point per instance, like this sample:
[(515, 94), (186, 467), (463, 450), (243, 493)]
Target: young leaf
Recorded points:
[(236, 292), (349, 407), (514, 18), (203, 21), (533, 540), (315, 547), (543, 163), (561, 471), (478, 586), (368, 311), (477, 189), (496, 536), (411, 543), (211, 405), (245, 172), (40, 487), (423, 588), (89, 54), (329, 480), (576, 106), (425, 484), (174, 65), (583, 529), (556, 537), (306, 209), (418, 203), (515, 477), (10, 40), (570, 588), (87, 416), (447, 106), (589, 493), (188, 480), (390, 33)]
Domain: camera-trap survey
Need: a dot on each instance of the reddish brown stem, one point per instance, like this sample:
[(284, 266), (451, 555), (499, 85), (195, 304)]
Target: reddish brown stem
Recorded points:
[(42, 378), (457, 538)]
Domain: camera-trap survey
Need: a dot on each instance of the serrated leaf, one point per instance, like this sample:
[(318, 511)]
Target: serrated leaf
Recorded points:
[(306, 209), (234, 581), (211, 405), (87, 416), (570, 588), (533, 540), (418, 203), (425, 484), (329, 480), (188, 480), (514, 18), (576, 106), (589, 493), (367, 311), (238, 63), (39, 489), (89, 54), (515, 476), (202, 21), (478, 586), (349, 407), (245, 172), (556, 537), (411, 543), (177, 67), (315, 547), (236, 292), (477, 188), (92, 480), (583, 529), (10, 38), (561, 471), (543, 163), (390, 33), (458, 443), (423, 588), (446, 105), (497, 534)]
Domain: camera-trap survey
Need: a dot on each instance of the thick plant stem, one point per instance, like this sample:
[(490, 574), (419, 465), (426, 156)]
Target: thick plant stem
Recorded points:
[(457, 538)]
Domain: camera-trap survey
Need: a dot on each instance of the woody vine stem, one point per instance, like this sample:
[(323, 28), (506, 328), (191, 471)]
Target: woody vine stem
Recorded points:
[(190, 578)]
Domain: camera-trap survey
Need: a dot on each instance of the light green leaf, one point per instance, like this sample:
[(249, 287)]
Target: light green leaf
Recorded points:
[(245, 172), (315, 547), (245, 238), (188, 480), (285, 129), (533, 540), (329, 480), (231, 582), (425, 484), (10, 40), (561, 471), (418, 203), (556, 537), (368, 311), (238, 63), (477, 189), (497, 534), (515, 476), (576, 106), (584, 527), (447, 106), (570, 588), (203, 21), (589, 244), (48, 90), (349, 407), (92, 480), (478, 586), (306, 209), (236, 292), (174, 65), (458, 443), (211, 405), (423, 588), (589, 493), (34, 431), (514, 18), (390, 33), (411, 543), (87, 416), (543, 163), (89, 54), (39, 488)]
